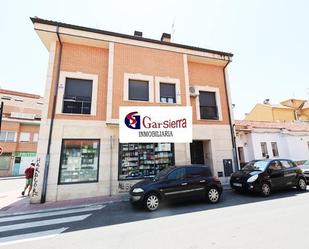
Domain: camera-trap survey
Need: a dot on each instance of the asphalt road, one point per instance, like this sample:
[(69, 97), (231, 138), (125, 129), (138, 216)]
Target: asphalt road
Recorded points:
[(238, 221)]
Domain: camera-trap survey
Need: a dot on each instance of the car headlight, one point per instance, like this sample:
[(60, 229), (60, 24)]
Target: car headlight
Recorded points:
[(253, 178), (137, 190)]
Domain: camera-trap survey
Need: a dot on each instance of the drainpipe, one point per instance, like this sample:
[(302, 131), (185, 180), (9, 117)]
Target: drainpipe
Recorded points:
[(230, 119), (110, 163), (47, 160)]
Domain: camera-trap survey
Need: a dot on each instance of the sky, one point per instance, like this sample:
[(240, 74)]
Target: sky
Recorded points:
[(269, 39)]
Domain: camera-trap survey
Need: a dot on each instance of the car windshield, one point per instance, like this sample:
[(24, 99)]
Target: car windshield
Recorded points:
[(162, 173), (305, 165), (256, 165)]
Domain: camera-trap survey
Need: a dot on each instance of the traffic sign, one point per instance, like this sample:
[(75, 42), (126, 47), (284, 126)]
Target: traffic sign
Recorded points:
[(1, 150)]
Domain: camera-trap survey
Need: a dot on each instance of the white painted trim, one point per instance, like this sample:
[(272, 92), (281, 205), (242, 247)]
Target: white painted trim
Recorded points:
[(109, 101), (49, 79), (218, 101), (187, 82), (138, 76), (169, 80), (77, 75)]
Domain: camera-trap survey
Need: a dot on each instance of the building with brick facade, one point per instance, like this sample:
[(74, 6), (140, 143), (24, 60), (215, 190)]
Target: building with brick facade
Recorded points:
[(91, 74), (19, 131)]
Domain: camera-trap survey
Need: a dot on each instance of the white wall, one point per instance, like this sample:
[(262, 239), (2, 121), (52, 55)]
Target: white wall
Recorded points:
[(290, 145)]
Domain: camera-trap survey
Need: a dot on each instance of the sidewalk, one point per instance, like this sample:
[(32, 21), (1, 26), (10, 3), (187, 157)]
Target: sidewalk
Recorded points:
[(23, 205), (11, 177), (12, 203)]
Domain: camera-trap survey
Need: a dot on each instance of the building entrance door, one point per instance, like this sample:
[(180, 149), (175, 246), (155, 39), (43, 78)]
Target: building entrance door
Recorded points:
[(16, 166), (197, 152)]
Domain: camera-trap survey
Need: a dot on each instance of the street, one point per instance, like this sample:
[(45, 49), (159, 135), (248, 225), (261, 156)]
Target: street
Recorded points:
[(233, 223)]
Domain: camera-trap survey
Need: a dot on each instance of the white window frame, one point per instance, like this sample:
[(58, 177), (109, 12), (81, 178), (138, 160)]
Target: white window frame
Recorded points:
[(168, 80), (21, 137), (218, 102), (138, 76), (82, 76), (35, 137), (6, 136)]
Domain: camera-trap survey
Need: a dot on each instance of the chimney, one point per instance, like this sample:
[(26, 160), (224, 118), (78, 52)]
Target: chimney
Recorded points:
[(266, 102), (138, 33), (166, 37)]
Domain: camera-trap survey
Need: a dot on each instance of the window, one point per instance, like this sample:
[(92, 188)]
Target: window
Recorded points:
[(79, 161), (5, 161), (208, 105), (77, 96), (264, 149), (177, 174), (275, 165), (6, 97), (35, 137), (138, 90), (167, 93), (286, 164), (24, 137), (144, 160), (274, 149), (3, 136), (8, 136), (195, 172)]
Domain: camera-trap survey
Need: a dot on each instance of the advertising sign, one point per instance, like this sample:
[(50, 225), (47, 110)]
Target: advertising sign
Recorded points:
[(140, 124)]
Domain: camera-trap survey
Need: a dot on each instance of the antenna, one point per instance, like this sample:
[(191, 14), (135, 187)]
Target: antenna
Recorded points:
[(173, 28)]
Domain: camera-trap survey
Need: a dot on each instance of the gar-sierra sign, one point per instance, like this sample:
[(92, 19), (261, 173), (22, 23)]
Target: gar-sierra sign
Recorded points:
[(155, 124)]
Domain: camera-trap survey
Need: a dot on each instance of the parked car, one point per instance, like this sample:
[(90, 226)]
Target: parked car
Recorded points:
[(177, 183), (305, 168), (264, 176)]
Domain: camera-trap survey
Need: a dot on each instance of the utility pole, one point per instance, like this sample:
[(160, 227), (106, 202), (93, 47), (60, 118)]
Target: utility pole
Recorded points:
[(1, 113)]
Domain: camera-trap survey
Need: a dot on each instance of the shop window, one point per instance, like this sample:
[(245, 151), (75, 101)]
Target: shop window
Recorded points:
[(144, 160), (24, 137), (79, 161), (77, 96), (5, 161), (208, 105), (167, 93), (264, 149), (274, 148), (138, 90)]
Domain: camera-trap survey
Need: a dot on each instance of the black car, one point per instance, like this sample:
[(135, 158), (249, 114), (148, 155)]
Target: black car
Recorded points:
[(263, 176), (305, 168), (177, 183)]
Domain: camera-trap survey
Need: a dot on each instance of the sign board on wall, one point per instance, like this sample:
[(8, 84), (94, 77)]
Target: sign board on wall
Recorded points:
[(140, 124)]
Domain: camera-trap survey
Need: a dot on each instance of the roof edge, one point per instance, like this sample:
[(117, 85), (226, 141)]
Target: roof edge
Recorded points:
[(104, 32)]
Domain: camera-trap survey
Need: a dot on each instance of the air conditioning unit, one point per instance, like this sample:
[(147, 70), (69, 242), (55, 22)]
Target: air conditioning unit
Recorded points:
[(193, 91)]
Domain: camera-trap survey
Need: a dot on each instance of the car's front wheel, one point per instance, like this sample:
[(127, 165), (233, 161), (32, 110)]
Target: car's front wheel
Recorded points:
[(152, 202), (265, 189), (301, 184), (213, 195)]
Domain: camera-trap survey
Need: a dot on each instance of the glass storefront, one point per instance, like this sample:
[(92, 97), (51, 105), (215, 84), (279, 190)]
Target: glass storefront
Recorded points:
[(79, 161), (144, 160)]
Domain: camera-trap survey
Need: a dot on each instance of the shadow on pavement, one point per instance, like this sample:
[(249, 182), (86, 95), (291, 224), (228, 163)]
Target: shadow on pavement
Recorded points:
[(124, 212)]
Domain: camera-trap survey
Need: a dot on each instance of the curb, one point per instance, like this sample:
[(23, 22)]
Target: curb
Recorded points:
[(42, 210), (11, 178)]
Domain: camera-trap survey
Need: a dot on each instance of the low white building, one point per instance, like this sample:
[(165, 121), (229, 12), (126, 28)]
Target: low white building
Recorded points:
[(258, 140)]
